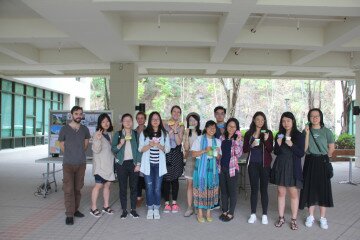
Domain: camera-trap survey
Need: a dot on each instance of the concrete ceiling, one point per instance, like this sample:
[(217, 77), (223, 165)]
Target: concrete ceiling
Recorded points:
[(263, 38)]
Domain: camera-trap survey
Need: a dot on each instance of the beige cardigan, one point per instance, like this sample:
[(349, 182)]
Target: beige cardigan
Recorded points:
[(103, 158)]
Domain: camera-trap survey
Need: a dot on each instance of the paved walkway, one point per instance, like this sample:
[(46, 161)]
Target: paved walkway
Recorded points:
[(26, 216)]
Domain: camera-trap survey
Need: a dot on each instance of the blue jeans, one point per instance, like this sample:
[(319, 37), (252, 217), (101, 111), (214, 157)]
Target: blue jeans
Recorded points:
[(153, 187)]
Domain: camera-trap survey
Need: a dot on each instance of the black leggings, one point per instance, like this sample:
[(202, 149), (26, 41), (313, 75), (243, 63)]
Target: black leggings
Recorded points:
[(258, 172), (174, 185), (228, 189)]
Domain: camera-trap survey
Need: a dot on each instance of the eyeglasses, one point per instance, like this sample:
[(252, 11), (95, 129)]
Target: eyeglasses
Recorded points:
[(317, 116)]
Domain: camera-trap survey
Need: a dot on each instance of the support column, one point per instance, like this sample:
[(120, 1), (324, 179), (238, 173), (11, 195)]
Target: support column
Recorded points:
[(123, 86), (357, 134)]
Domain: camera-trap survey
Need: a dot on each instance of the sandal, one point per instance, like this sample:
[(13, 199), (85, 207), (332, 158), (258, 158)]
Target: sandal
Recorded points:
[(293, 224), (280, 222), (227, 218), (223, 216), (108, 210), (96, 213)]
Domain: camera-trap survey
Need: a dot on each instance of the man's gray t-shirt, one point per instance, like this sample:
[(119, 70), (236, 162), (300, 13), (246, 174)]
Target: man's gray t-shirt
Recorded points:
[(74, 144)]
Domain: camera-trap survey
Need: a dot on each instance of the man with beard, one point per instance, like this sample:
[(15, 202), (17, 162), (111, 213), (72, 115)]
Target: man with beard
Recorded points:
[(74, 139)]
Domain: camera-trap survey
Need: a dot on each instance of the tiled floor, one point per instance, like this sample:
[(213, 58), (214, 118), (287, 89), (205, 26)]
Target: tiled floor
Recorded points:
[(26, 216)]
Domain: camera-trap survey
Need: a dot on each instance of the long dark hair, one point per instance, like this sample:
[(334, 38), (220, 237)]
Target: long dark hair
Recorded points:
[(321, 117), (208, 124), (226, 133), (100, 119), (252, 127), (124, 116), (149, 131), (197, 128), (294, 130)]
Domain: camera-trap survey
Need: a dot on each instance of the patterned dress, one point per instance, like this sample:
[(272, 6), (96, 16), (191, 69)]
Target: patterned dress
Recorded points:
[(205, 176)]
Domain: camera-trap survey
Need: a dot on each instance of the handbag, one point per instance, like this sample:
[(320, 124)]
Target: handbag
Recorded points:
[(326, 160)]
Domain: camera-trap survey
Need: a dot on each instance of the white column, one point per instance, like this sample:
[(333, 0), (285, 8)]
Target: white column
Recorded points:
[(357, 103), (123, 89)]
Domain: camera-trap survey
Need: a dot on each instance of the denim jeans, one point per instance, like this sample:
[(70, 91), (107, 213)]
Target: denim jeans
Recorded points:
[(153, 187)]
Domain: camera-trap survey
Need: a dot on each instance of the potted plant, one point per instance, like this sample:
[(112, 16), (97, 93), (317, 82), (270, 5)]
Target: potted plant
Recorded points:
[(344, 145)]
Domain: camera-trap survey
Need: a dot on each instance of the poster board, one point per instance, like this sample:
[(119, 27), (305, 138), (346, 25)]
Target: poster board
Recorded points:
[(58, 119)]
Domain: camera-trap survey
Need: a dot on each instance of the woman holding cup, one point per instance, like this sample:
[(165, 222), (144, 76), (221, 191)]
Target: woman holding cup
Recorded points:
[(207, 151), (191, 133), (258, 142), (286, 171)]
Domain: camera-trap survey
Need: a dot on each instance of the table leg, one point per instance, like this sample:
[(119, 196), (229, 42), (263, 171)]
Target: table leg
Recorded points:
[(54, 177), (349, 181)]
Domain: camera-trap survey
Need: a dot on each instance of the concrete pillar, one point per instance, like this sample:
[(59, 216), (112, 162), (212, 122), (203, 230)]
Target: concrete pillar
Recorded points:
[(123, 89), (357, 103)]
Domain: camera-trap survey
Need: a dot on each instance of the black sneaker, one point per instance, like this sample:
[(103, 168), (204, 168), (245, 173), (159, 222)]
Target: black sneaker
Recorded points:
[(124, 214), (78, 214), (134, 214), (69, 221)]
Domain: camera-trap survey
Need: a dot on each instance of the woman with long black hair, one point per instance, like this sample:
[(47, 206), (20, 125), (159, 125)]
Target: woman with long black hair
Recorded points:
[(154, 144), (258, 142), (286, 171), (231, 148), (191, 133)]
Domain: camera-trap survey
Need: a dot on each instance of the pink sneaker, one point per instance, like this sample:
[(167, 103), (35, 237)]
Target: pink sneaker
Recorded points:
[(175, 208), (167, 208)]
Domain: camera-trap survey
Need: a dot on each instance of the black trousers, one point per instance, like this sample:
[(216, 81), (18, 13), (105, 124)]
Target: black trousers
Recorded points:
[(126, 175), (174, 186), (258, 173), (141, 185), (228, 190)]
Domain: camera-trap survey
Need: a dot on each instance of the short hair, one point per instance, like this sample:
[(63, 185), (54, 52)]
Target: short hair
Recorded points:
[(141, 113), (76, 108), (220, 108)]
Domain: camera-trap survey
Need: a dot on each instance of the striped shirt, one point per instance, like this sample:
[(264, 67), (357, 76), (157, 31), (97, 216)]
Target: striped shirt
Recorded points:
[(154, 155)]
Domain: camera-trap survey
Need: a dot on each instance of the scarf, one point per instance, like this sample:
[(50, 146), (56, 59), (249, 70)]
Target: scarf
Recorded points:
[(203, 165)]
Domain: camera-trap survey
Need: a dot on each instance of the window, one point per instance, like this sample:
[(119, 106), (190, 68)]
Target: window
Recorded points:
[(6, 85), (39, 116), (19, 88), (6, 106), (25, 114), (19, 116), (30, 91)]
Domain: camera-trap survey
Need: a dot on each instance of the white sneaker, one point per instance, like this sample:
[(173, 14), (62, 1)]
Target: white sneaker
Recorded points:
[(309, 221), (156, 214), (264, 219), (252, 218), (323, 223), (150, 214)]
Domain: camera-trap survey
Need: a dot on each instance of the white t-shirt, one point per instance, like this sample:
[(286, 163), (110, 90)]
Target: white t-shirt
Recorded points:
[(196, 146)]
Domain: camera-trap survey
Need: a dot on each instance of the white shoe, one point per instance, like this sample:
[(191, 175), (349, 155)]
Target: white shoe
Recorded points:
[(156, 214), (323, 223), (252, 218), (309, 221), (264, 219), (150, 214)]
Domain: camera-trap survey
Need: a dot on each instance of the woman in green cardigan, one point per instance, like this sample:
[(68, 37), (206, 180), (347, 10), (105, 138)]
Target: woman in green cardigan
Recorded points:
[(128, 158)]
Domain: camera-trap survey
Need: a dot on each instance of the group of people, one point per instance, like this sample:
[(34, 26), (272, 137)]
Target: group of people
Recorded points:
[(154, 155)]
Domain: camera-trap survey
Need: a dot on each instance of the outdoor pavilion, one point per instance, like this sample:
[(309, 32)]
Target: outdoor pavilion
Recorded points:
[(125, 40)]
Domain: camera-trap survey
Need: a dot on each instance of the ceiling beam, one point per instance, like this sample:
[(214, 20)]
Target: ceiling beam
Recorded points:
[(22, 52)]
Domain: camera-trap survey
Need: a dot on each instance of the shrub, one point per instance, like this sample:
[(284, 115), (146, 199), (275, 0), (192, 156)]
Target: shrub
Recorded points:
[(345, 141)]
